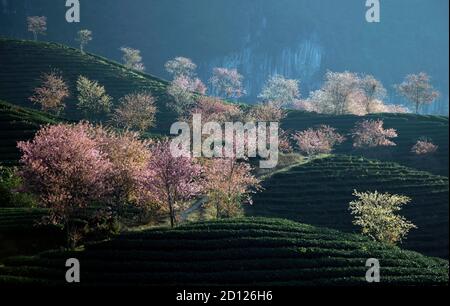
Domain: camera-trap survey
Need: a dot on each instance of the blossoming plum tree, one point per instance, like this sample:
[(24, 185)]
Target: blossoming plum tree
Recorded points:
[(183, 90), (229, 183), (280, 91), (136, 111), (52, 92), (418, 90), (371, 134), (424, 147), (181, 67), (172, 181), (65, 168), (227, 83), (132, 58), (37, 25), (318, 141)]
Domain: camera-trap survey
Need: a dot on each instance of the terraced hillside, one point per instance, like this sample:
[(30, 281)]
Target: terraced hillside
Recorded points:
[(239, 252), (409, 126), (20, 233), (17, 124), (23, 62), (318, 193)]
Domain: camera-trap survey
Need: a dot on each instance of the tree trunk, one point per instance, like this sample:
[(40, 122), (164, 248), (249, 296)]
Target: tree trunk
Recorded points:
[(172, 215), (217, 209), (70, 241)]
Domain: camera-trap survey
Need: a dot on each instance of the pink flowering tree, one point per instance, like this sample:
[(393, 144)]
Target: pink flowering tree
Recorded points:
[(267, 112), (64, 167), (185, 86), (371, 134), (424, 147), (418, 90), (136, 111), (52, 92), (183, 90), (227, 83), (132, 58), (215, 110), (280, 91), (129, 156), (318, 141), (181, 67), (37, 25), (172, 181), (229, 183)]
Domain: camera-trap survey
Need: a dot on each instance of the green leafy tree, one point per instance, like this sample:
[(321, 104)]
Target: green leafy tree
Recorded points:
[(92, 97), (376, 214)]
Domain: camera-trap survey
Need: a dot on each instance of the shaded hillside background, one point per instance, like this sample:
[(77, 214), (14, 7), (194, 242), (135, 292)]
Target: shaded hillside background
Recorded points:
[(300, 39)]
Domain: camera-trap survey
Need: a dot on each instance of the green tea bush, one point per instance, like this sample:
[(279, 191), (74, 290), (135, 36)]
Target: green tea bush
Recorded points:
[(10, 182)]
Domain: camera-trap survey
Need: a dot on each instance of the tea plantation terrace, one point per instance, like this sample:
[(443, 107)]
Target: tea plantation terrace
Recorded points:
[(319, 192), (249, 251), (23, 62), (410, 128)]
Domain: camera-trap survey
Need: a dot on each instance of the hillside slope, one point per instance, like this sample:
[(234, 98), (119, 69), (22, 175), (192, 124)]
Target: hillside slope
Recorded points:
[(238, 252), (23, 62), (21, 234), (318, 193), (18, 124), (410, 128)]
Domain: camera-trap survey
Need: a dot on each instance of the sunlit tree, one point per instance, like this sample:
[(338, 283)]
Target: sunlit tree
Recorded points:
[(52, 92), (281, 91), (424, 147), (172, 181), (136, 111), (335, 95), (181, 67), (132, 58), (84, 37), (129, 157), (418, 90), (227, 83), (84, 174), (267, 112), (376, 214), (371, 133), (229, 184), (184, 91), (37, 25), (374, 93), (65, 168), (92, 97), (321, 140), (215, 110)]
